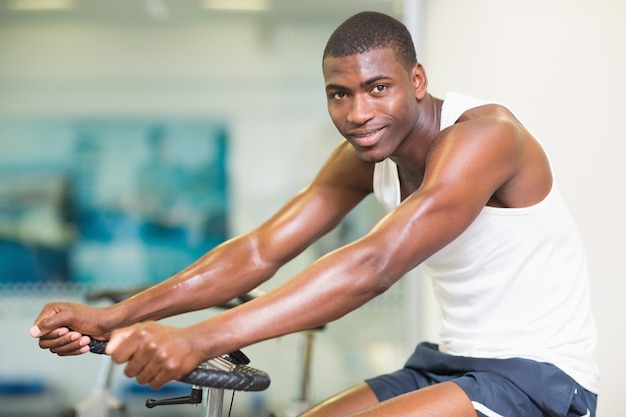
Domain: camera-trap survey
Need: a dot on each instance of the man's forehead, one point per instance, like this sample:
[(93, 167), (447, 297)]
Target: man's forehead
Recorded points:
[(365, 63), (388, 51)]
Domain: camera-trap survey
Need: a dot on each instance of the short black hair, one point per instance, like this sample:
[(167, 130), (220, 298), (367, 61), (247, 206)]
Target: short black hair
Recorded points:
[(370, 31)]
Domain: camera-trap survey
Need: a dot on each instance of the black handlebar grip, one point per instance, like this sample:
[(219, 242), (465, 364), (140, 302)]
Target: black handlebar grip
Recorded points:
[(97, 346), (241, 378)]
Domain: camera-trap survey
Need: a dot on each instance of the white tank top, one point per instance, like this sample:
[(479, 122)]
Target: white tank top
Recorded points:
[(514, 283)]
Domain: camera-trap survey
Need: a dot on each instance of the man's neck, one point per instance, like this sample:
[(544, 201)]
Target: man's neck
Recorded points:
[(414, 151)]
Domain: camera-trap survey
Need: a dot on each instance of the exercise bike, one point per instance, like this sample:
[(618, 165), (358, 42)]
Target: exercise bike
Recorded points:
[(227, 372), (102, 402), (209, 380)]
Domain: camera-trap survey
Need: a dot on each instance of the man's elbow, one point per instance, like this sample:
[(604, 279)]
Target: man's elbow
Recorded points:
[(377, 275)]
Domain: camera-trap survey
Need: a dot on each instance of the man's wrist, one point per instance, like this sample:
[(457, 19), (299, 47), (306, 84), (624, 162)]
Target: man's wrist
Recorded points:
[(115, 317)]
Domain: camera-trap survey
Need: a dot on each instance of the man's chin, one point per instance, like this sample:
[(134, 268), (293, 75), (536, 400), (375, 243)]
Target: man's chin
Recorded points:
[(371, 157)]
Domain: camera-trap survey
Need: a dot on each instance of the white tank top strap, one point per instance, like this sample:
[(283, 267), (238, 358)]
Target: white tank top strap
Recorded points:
[(387, 184)]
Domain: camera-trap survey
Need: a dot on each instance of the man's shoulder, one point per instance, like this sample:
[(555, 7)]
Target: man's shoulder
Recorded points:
[(459, 108), (489, 132), (488, 113)]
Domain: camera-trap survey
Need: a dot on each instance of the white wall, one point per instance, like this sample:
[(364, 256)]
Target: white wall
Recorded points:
[(560, 64)]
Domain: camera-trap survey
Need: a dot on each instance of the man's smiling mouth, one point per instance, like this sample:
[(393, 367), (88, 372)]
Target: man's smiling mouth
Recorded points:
[(366, 139)]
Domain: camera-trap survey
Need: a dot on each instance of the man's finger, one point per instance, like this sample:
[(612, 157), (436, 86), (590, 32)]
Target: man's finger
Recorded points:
[(159, 380), (72, 343), (35, 331), (117, 339), (62, 319)]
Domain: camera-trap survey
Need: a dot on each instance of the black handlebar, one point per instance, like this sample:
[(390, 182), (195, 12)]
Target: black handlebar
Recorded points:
[(97, 346), (240, 378)]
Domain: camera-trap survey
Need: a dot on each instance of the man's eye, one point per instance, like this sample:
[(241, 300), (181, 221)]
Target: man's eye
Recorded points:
[(339, 95), (379, 88)]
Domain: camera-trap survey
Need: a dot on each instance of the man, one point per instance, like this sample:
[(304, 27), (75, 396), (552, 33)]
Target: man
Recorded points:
[(470, 196)]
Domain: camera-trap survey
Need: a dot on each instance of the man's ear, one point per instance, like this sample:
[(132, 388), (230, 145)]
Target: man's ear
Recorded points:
[(420, 82)]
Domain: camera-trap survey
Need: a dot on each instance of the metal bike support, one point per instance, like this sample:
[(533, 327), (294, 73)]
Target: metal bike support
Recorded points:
[(212, 402), (213, 398)]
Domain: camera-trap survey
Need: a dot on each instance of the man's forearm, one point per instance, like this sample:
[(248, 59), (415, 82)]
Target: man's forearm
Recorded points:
[(219, 276), (326, 291)]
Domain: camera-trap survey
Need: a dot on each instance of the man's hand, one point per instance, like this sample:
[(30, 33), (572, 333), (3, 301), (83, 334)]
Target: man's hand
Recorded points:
[(63, 328), (155, 353)]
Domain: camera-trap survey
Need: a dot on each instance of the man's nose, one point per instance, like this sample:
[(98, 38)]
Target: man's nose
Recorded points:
[(361, 111)]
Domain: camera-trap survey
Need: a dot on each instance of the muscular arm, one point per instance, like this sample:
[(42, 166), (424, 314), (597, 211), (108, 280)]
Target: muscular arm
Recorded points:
[(238, 265), (471, 165), (245, 262)]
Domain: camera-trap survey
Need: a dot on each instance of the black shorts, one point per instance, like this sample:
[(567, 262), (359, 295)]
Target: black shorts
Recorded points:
[(513, 387)]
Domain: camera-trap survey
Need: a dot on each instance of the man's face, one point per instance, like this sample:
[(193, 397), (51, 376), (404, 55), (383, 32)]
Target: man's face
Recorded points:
[(371, 101)]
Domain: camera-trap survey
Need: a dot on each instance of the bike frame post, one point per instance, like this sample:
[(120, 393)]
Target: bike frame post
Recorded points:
[(212, 402), (213, 398)]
